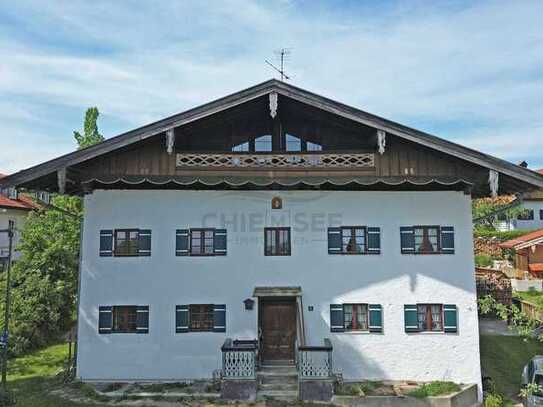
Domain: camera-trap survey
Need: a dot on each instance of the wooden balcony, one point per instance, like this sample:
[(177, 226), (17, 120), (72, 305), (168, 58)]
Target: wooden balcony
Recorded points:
[(275, 160)]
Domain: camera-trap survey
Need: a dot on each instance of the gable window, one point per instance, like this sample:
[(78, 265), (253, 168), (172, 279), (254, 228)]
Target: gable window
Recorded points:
[(277, 241), (430, 317), (355, 317), (427, 239), (293, 143), (241, 148), (263, 143), (123, 319), (313, 146), (126, 242), (201, 242)]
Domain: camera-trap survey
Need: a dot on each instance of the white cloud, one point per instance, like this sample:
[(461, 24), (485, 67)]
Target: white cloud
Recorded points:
[(472, 72)]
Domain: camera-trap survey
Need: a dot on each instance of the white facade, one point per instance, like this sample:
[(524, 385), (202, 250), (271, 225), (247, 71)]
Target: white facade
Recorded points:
[(19, 217), (532, 224), (391, 279)]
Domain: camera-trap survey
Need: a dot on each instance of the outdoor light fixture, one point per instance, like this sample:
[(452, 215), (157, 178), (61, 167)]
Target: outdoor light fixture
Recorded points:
[(249, 304)]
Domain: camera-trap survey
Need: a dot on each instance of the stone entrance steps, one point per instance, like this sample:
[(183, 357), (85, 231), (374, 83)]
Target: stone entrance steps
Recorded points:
[(278, 382)]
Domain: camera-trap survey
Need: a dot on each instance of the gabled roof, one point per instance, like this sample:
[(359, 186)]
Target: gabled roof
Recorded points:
[(527, 240), (23, 202), (290, 91)]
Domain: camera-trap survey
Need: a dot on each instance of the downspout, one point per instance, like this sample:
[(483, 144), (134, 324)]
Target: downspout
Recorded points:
[(78, 301)]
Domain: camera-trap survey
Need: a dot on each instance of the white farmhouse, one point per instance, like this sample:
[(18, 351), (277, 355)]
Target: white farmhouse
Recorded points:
[(278, 216)]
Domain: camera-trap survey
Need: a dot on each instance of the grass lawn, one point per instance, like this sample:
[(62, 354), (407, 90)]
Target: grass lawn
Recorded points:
[(31, 377), (504, 357)]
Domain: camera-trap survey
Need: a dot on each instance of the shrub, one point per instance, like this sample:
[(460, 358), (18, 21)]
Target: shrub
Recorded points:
[(505, 235), (493, 400), (435, 388), (7, 398), (483, 260)]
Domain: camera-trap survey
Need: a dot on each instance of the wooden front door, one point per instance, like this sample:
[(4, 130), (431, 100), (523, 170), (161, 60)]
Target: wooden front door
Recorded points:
[(278, 330)]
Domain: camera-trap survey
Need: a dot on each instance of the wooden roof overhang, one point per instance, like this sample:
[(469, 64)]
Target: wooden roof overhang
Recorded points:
[(46, 176), (208, 182)]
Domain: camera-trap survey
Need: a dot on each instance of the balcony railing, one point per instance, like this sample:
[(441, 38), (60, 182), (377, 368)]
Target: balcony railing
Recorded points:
[(250, 160), (239, 359), (315, 362)]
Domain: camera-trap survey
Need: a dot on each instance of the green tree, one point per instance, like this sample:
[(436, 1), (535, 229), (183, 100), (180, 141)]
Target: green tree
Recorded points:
[(45, 277), (90, 135)]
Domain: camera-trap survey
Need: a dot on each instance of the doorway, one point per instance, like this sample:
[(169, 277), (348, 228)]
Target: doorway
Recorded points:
[(277, 327)]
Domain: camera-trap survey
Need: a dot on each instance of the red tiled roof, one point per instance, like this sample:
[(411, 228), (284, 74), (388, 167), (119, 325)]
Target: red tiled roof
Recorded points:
[(536, 267), (22, 202), (522, 239), (539, 171)]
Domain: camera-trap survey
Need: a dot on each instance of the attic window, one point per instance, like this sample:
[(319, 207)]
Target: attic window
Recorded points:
[(263, 143), (293, 143), (313, 146), (241, 148)]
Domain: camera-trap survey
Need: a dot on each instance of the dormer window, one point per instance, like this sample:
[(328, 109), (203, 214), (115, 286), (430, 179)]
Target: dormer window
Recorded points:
[(313, 146), (241, 148), (263, 143)]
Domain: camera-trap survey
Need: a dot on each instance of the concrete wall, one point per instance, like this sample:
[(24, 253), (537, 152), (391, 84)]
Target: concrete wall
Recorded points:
[(526, 285), (391, 279), (536, 223)]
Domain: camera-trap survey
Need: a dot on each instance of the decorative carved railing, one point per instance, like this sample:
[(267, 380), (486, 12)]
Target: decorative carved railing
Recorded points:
[(239, 359), (248, 160), (315, 362)]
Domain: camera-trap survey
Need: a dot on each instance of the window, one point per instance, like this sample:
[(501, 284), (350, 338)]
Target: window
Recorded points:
[(293, 143), (126, 242), (277, 241), (125, 319), (426, 239), (355, 317), (313, 146), (526, 214), (541, 214), (201, 242), (430, 317), (201, 317), (263, 143), (353, 240), (241, 148)]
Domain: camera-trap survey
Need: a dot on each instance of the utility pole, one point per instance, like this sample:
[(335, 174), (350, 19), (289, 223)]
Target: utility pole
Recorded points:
[(5, 334)]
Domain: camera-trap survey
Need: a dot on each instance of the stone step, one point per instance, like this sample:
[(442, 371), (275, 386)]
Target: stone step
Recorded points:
[(278, 386), (278, 370), (277, 394), (273, 379)]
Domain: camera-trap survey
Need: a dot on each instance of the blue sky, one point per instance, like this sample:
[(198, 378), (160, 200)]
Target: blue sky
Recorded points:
[(470, 72)]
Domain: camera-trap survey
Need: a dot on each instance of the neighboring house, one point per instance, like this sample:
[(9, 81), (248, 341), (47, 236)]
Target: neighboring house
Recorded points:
[(528, 250), (279, 215), (15, 207)]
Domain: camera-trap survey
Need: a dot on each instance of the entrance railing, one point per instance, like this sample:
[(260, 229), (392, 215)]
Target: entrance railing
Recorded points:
[(239, 359), (315, 362)]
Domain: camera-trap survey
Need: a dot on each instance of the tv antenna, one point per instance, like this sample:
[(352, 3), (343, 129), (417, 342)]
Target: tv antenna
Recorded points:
[(281, 55)]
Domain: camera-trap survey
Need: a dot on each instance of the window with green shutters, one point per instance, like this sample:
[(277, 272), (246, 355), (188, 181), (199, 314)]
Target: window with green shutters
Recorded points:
[(123, 319), (431, 318), (354, 240), (200, 242), (125, 242), (427, 239), (356, 318), (200, 318)]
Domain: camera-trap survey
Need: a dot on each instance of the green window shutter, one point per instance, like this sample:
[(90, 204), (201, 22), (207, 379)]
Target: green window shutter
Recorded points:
[(105, 319), (106, 243), (182, 242), (334, 240), (219, 318), (142, 319), (144, 246), (181, 318), (376, 318), (407, 238), (374, 240), (336, 318), (450, 318), (447, 239), (410, 318), (219, 242)]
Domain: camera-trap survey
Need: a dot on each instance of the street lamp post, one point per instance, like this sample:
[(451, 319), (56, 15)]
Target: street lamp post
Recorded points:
[(4, 339)]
